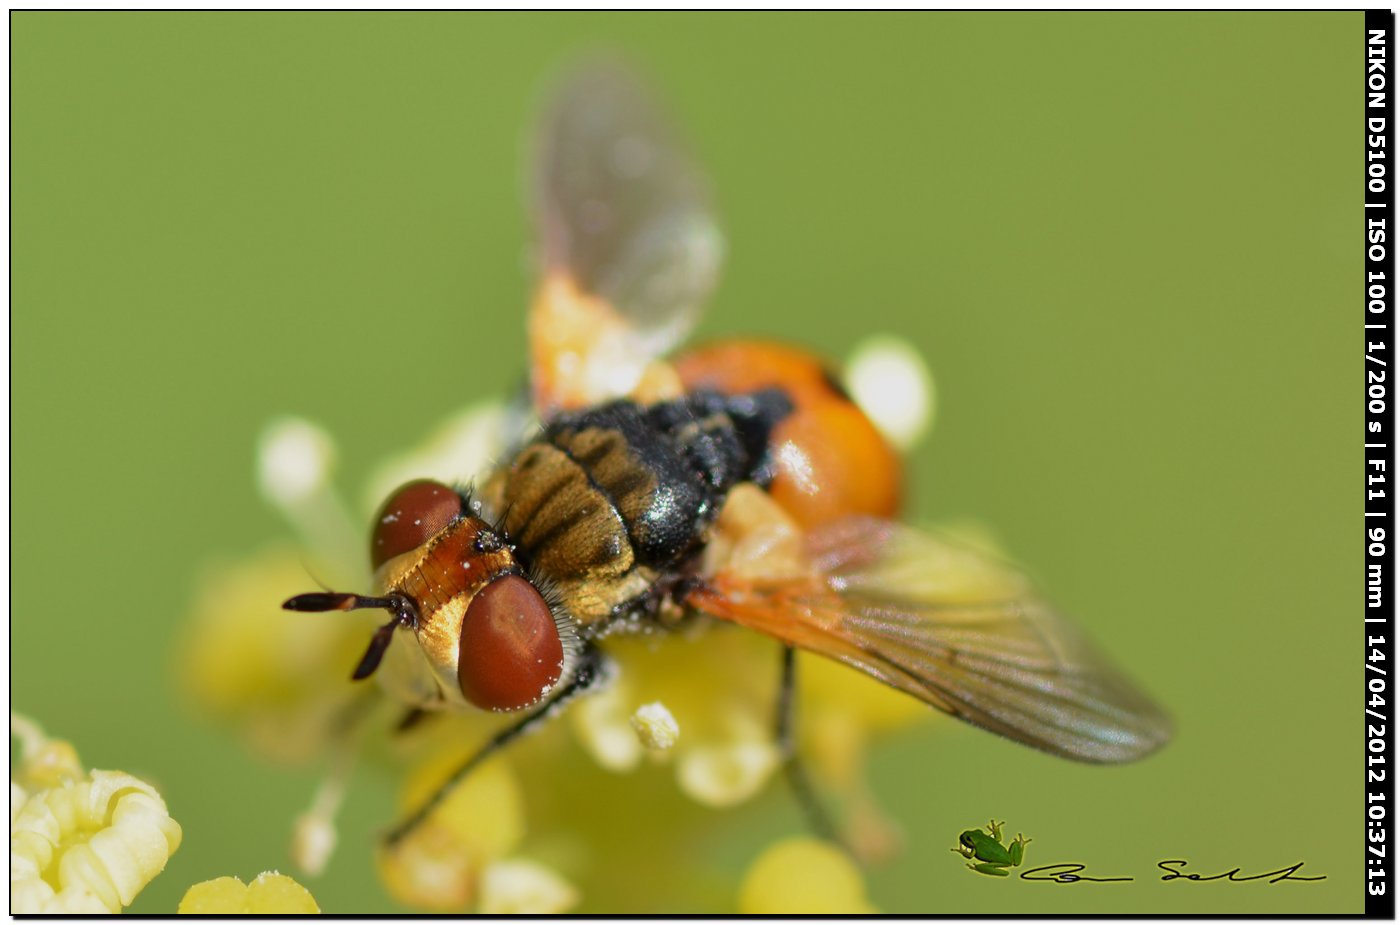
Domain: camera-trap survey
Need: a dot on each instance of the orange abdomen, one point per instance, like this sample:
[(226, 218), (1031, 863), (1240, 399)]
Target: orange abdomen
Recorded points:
[(831, 462)]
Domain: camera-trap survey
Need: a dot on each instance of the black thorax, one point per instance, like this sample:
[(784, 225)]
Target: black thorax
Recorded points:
[(681, 459)]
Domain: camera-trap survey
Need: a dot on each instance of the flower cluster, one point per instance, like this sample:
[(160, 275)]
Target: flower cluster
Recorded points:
[(81, 842), (85, 842)]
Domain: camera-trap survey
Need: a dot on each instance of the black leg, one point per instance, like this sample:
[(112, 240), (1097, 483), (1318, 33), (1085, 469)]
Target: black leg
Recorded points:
[(591, 670), (793, 768)]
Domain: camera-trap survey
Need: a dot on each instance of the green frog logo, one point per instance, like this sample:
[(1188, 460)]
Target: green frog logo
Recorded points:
[(986, 849)]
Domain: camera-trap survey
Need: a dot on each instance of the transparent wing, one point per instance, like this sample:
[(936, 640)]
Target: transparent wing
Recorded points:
[(622, 209), (956, 628), (624, 229)]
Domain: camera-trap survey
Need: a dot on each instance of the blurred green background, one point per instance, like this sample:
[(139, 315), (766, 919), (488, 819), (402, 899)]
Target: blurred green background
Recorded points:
[(1125, 242)]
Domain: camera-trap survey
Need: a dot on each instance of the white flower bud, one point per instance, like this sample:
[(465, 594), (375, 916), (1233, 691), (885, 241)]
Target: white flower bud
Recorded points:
[(520, 887), (891, 383), (313, 842), (655, 726), (726, 775), (294, 461)]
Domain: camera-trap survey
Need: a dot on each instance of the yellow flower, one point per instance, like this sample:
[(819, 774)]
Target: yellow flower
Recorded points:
[(438, 865), (270, 893), (803, 876), (81, 842), (283, 682), (719, 686)]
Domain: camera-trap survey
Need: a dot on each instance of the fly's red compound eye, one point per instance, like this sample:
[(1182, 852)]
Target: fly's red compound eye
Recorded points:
[(510, 654), (413, 515)]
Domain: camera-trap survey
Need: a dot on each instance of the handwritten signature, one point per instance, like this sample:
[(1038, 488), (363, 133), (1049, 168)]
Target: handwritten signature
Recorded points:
[(1174, 870)]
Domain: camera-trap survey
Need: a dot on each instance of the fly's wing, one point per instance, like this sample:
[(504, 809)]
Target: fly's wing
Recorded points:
[(628, 248), (955, 628)]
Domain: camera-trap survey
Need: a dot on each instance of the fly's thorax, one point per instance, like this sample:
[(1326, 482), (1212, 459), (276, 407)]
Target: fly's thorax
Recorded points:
[(568, 526), (606, 501)]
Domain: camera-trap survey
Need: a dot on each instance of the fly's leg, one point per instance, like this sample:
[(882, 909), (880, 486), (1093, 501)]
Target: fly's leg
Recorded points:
[(793, 767), (593, 668)]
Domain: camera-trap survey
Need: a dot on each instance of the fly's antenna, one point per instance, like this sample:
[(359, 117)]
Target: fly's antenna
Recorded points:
[(400, 605), (322, 601)]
